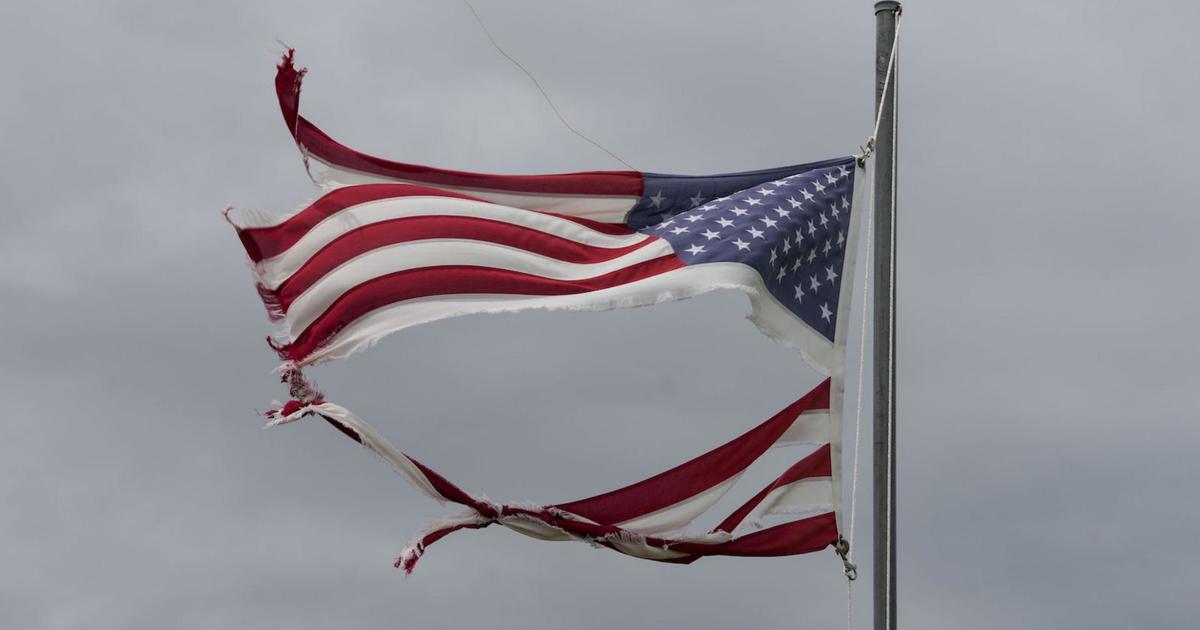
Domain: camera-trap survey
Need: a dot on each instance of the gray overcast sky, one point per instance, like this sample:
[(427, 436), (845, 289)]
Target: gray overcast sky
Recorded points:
[(1047, 313)]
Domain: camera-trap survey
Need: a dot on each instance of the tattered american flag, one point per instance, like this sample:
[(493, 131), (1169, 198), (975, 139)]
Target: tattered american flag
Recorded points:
[(392, 245)]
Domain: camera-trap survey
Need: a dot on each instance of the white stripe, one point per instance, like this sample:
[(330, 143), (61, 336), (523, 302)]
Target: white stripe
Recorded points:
[(430, 253), (604, 208), (273, 271), (681, 514), (810, 427), (639, 549), (771, 317), (803, 496), (376, 443)]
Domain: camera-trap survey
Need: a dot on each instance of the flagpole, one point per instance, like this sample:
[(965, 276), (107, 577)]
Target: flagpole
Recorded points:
[(886, 14)]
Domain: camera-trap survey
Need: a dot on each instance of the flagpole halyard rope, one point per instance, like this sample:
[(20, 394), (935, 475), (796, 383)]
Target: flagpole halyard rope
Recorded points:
[(541, 89), (887, 81)]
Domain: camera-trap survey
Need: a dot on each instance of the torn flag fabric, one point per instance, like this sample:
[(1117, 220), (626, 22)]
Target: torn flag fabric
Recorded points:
[(649, 519), (391, 245)]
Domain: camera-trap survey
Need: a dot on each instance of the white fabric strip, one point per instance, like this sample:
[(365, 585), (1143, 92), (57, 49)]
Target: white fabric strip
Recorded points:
[(603, 208), (771, 317), (681, 514), (811, 427), (372, 440), (273, 271), (803, 496), (432, 253), (835, 365)]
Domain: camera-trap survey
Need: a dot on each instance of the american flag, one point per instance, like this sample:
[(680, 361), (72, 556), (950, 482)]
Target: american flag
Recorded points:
[(369, 259), (392, 245)]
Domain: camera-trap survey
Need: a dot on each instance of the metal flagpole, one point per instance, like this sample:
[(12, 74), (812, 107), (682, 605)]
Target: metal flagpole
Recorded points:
[(886, 14)]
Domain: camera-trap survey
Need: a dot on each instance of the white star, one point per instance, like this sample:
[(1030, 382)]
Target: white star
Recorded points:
[(779, 276), (845, 204), (799, 293), (799, 235), (657, 199), (812, 229), (829, 177), (754, 202), (755, 232), (764, 192), (678, 230), (666, 223), (774, 256), (825, 312), (841, 238), (792, 200), (812, 255), (818, 186), (842, 172), (787, 246), (695, 249), (768, 221), (824, 220), (796, 265), (697, 199), (816, 284), (724, 222), (833, 211), (738, 211), (807, 195), (692, 218), (828, 246), (781, 212), (709, 234), (830, 274), (742, 245)]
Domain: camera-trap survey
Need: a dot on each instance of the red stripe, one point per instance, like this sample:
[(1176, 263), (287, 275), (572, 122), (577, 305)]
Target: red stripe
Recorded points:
[(693, 477), (317, 143), (794, 537), (395, 231), (269, 241), (453, 280), (816, 464), (448, 490)]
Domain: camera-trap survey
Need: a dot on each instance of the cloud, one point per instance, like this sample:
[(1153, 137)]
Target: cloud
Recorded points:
[(1046, 317)]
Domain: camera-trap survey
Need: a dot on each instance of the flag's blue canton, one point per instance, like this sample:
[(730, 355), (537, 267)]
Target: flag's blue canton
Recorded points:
[(664, 196), (792, 230)]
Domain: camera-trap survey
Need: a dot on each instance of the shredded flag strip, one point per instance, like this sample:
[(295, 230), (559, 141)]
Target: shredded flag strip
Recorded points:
[(391, 245), (644, 519)]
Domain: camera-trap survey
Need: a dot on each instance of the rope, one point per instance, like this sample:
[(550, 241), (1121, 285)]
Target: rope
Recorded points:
[(887, 81), (541, 89)]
